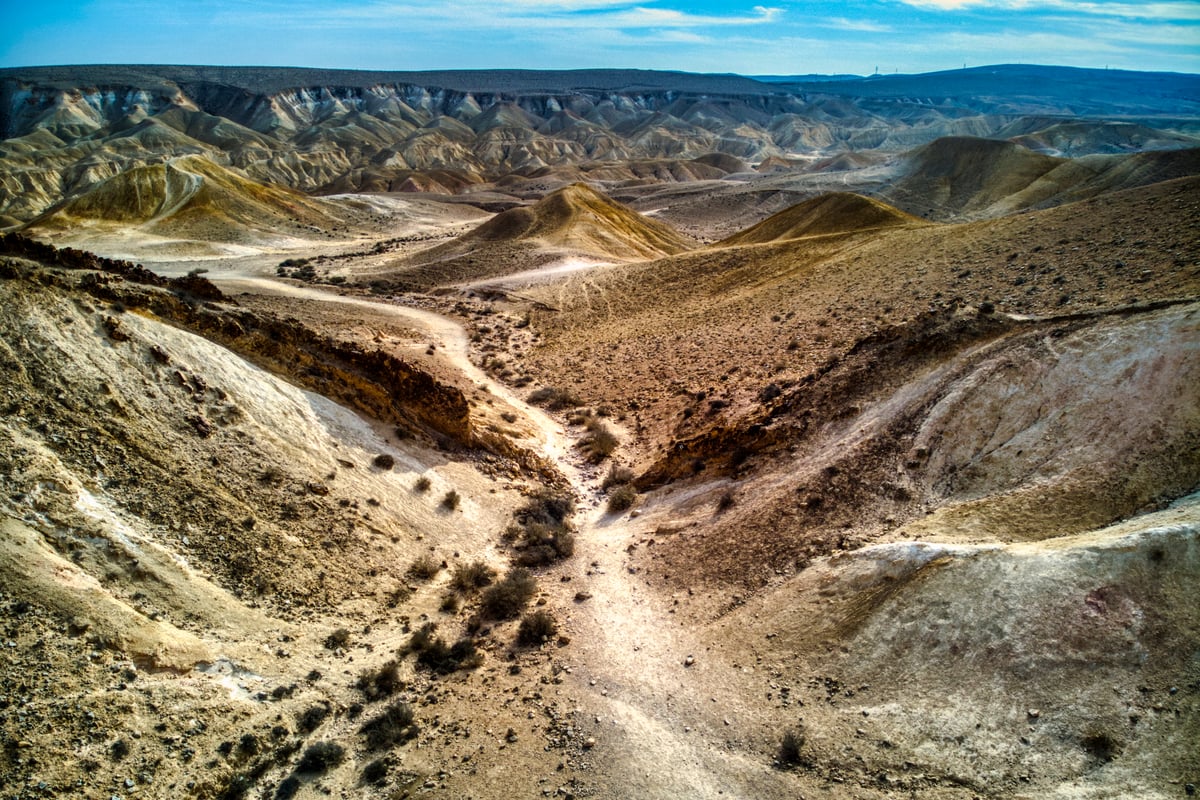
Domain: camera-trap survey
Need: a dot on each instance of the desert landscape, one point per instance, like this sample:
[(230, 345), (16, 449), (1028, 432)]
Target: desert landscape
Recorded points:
[(599, 434)]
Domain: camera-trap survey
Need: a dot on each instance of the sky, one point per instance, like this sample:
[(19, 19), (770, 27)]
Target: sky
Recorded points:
[(775, 38)]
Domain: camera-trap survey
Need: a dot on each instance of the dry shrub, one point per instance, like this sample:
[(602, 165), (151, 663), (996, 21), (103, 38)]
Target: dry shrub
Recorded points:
[(622, 498), (468, 578), (509, 597), (536, 628)]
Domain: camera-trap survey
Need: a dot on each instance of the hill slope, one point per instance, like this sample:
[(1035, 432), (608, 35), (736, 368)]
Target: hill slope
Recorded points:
[(575, 222), (837, 212)]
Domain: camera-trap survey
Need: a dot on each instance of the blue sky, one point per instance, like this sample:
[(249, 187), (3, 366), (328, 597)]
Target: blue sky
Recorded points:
[(752, 39)]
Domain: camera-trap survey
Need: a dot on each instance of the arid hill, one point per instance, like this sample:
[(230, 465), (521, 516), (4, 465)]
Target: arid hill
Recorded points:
[(326, 131), (599, 434), (575, 222), (840, 212)]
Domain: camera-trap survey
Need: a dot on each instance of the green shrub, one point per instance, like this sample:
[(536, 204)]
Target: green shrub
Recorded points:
[(536, 628), (509, 597)]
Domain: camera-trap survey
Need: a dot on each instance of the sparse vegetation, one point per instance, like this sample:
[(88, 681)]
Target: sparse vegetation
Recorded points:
[(288, 788), (554, 398), (384, 461), (380, 683), (376, 772), (469, 578), (618, 475), (536, 628), (424, 568), (600, 442), (622, 498), (444, 659), (420, 638), (320, 757), (509, 597), (337, 639), (312, 717), (423, 483), (540, 531), (790, 747), (394, 726), (451, 500)]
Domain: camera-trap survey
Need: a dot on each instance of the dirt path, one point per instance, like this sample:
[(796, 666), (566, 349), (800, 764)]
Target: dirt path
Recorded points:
[(650, 713)]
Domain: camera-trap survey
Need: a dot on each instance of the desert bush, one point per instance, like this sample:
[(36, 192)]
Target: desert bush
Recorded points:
[(554, 398), (424, 568), (444, 659), (339, 638), (618, 475), (544, 544), (423, 483), (380, 683), (600, 442), (420, 639), (312, 718), (376, 772), (547, 507), (536, 628), (321, 756), (468, 578), (790, 747), (288, 788), (769, 392), (509, 597), (541, 531), (727, 501), (622, 498), (393, 726), (451, 500), (384, 461), (449, 604)]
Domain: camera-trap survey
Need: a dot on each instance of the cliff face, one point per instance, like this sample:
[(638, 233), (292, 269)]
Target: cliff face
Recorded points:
[(376, 383)]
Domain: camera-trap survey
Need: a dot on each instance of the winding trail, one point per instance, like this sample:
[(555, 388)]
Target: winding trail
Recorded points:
[(654, 718)]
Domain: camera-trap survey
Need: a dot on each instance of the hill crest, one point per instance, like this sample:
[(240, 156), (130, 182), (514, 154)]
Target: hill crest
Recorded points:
[(835, 212)]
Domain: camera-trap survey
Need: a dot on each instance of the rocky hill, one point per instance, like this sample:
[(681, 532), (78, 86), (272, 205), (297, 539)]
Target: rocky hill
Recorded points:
[(66, 128)]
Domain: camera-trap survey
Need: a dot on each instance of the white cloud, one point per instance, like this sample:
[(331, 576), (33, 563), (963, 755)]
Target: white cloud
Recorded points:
[(1158, 11), (858, 25)]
